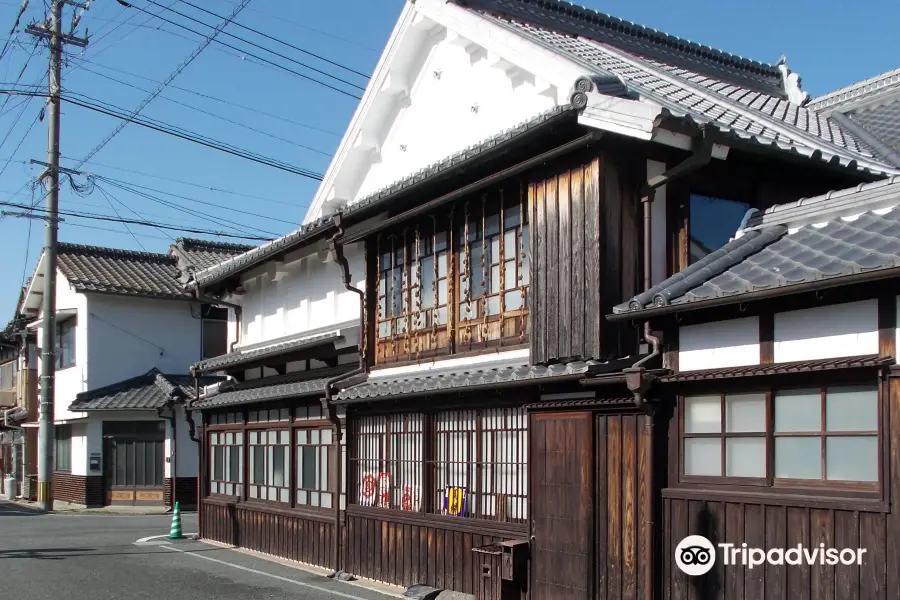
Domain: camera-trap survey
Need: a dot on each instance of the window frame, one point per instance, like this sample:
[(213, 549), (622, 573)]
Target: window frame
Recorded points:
[(424, 471), (239, 485), (770, 483), (273, 417), (70, 324), (396, 261), (57, 438)]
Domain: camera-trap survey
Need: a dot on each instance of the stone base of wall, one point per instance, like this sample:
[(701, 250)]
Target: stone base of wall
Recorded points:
[(185, 492), (80, 490)]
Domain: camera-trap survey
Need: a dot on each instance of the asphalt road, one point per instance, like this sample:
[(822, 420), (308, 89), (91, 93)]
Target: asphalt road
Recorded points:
[(95, 557)]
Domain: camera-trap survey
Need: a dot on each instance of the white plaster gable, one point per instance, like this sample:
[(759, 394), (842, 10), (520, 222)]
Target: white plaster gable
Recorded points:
[(447, 79)]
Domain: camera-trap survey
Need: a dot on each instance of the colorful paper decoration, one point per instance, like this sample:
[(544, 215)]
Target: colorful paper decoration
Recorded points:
[(368, 487), (410, 500), (384, 490), (455, 501)]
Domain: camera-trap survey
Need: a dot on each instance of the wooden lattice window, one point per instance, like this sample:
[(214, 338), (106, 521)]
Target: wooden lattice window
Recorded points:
[(270, 471), (413, 291), (226, 467), (493, 267), (473, 465)]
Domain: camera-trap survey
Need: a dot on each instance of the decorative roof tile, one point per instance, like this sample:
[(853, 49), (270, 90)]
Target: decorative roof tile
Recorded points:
[(236, 359), (202, 254), (149, 391), (751, 113), (818, 241)]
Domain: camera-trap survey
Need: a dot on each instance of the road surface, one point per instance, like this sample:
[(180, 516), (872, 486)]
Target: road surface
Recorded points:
[(94, 557)]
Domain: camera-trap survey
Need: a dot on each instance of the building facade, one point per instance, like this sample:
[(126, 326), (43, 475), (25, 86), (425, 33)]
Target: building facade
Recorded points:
[(126, 332), (514, 172)]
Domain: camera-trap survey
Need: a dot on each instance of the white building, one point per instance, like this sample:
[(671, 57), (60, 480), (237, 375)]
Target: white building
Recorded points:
[(126, 332)]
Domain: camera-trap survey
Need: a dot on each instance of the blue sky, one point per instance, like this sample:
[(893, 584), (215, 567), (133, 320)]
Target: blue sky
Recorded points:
[(825, 43)]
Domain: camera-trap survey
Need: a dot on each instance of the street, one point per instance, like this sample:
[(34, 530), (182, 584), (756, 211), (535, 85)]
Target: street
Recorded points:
[(95, 557)]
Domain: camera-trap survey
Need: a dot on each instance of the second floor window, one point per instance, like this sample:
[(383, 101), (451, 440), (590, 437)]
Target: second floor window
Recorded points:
[(456, 280), (65, 344), (713, 221)]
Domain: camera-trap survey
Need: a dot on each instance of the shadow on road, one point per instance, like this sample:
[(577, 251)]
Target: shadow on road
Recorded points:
[(64, 553)]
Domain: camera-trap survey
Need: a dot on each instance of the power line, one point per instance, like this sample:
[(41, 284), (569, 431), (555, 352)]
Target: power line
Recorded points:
[(142, 223), (12, 30), (274, 39), (197, 185), (197, 139), (125, 225), (264, 49), (233, 47), (213, 204), (206, 96), (208, 113), (83, 226), (217, 220), (168, 79)]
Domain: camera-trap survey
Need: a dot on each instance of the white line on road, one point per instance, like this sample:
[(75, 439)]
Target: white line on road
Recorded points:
[(278, 577), (144, 540)]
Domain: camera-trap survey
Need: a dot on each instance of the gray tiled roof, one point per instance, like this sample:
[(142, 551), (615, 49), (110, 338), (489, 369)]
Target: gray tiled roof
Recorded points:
[(202, 254), (859, 91), (811, 241), (753, 112), (800, 366), (260, 254), (456, 379), (294, 239), (149, 391), (235, 359), (122, 272), (263, 393)]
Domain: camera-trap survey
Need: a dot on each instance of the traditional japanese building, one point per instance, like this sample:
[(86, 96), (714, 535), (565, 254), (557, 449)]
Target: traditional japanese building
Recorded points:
[(425, 387)]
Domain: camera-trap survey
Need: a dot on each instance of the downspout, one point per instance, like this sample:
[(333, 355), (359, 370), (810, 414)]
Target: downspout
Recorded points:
[(327, 405), (637, 379), (201, 448)]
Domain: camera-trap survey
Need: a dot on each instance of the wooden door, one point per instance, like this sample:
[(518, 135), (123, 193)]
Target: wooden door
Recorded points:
[(134, 470), (561, 506)]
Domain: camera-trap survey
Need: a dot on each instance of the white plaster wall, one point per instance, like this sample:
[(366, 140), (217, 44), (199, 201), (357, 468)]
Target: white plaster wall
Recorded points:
[(439, 119), (232, 330), (80, 448), (185, 448), (72, 380), (129, 336), (848, 329), (897, 331), (308, 297), (731, 343)]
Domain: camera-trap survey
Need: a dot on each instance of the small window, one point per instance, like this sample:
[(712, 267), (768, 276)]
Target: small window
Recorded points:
[(819, 436), (713, 221), (270, 475), (65, 344), (63, 450), (215, 338), (313, 447), (226, 463)]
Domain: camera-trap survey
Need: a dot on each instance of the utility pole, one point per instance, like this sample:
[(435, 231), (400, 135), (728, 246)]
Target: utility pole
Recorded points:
[(51, 173)]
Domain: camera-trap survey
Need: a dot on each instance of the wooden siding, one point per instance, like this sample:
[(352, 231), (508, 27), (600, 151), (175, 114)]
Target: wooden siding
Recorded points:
[(404, 549), (585, 244), (278, 533), (769, 519)]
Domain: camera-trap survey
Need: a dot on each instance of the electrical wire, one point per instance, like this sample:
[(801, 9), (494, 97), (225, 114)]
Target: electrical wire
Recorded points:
[(82, 225), (257, 57), (125, 225), (181, 208), (206, 42), (213, 204), (274, 39), (12, 30), (82, 215), (208, 113), (197, 139), (269, 50), (202, 95)]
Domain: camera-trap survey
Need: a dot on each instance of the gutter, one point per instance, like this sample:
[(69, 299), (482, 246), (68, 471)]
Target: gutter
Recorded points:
[(637, 378), (327, 403)]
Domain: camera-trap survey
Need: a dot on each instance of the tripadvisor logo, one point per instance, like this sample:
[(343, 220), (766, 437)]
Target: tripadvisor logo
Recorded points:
[(695, 555)]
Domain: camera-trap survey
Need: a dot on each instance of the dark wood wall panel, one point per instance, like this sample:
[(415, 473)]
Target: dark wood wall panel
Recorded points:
[(586, 252), (767, 526), (623, 537), (403, 552), (276, 533)]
